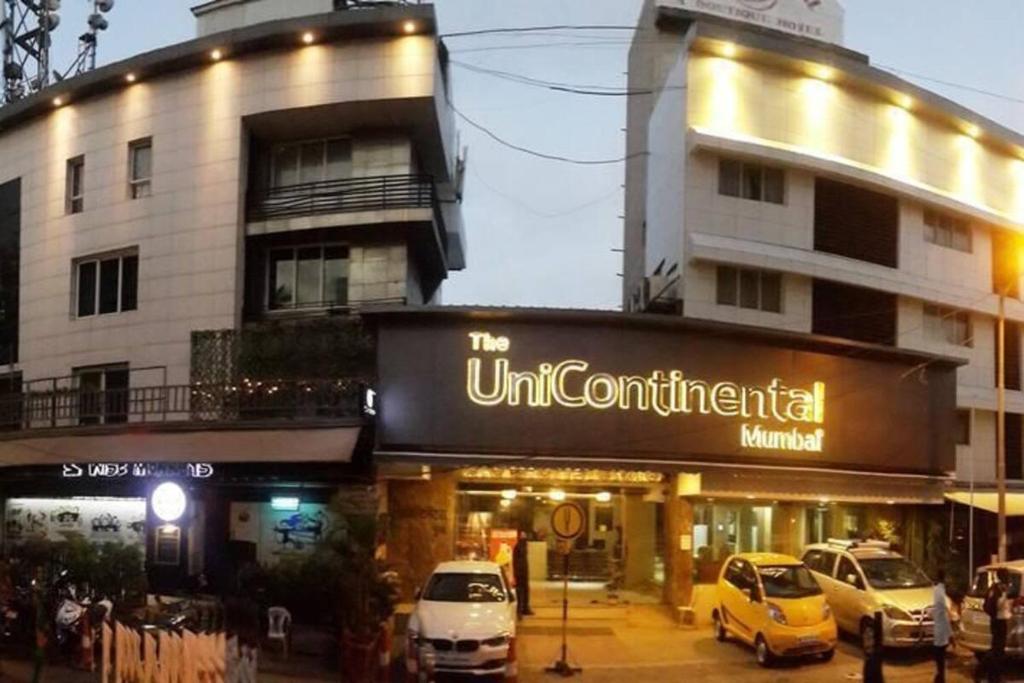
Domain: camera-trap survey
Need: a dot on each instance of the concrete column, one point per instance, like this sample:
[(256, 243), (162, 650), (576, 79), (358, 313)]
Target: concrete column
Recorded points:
[(640, 531), (786, 529), (678, 590), (421, 527)]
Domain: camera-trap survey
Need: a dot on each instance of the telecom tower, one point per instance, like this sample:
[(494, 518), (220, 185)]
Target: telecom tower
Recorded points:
[(25, 37)]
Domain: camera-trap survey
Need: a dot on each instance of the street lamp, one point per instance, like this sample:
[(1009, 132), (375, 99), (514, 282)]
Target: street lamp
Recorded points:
[(1010, 280)]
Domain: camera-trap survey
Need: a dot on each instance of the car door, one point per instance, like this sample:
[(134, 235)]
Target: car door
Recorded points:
[(849, 592), (735, 602)]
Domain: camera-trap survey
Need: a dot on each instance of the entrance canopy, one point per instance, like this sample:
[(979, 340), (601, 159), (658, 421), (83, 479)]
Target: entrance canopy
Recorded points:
[(989, 501)]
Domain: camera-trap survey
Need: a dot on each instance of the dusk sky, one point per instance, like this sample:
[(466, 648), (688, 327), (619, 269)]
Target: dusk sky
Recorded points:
[(542, 233)]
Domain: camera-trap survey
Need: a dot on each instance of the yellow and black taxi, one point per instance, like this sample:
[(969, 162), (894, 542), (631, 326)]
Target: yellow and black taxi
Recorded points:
[(773, 603)]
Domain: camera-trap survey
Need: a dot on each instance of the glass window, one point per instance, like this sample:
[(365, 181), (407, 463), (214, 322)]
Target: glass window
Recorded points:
[(76, 185), (729, 177), (282, 279), (336, 275), (889, 573), (311, 276), (751, 178), (102, 394), (963, 427), (87, 288), (110, 271), (812, 558), (749, 288), (726, 290), (311, 162), (453, 587), (788, 581), (129, 283), (947, 325), (307, 287), (774, 185), (771, 292), (140, 161), (986, 577), (339, 159), (286, 165), (845, 569), (946, 230)]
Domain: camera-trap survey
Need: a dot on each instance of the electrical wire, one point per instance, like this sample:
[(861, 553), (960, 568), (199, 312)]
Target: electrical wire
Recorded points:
[(536, 29), (572, 88)]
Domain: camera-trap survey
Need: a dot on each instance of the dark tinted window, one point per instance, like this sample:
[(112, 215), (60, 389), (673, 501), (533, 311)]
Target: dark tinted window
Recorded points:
[(452, 587), (749, 285), (87, 288), (771, 292), (729, 178), (788, 581), (856, 222), (726, 290), (129, 283), (845, 569), (894, 572), (110, 271)]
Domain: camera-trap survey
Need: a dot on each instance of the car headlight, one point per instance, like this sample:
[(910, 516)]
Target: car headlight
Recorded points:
[(776, 614), (826, 612), (496, 641), (896, 614)]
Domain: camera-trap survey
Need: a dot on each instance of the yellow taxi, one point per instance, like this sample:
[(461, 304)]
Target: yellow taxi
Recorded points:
[(773, 603)]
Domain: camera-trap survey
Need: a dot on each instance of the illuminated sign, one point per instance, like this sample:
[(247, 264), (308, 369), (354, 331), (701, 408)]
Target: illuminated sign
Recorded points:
[(560, 475), (818, 19), (491, 381), (168, 501), (124, 470)]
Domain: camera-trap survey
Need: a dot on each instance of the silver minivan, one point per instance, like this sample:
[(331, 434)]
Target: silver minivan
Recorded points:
[(975, 633)]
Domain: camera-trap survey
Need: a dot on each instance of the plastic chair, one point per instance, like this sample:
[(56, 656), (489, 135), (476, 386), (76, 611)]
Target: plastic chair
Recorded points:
[(280, 626)]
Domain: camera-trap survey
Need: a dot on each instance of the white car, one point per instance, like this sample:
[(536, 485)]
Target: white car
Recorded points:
[(464, 622)]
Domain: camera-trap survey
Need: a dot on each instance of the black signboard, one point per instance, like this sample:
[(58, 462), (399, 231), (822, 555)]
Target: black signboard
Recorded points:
[(647, 388)]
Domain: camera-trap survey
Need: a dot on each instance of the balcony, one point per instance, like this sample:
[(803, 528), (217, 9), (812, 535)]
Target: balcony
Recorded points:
[(256, 403)]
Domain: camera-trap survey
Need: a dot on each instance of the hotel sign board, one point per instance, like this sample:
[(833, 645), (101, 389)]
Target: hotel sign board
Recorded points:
[(646, 388), (818, 19)]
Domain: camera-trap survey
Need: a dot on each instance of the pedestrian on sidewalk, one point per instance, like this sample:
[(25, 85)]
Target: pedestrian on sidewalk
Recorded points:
[(943, 626), (997, 606), (873, 650), (521, 575)]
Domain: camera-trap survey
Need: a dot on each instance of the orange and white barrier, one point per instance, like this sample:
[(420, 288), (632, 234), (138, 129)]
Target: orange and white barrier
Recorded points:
[(129, 656)]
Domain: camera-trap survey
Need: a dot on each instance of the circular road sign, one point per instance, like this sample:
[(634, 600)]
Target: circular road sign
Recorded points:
[(568, 520)]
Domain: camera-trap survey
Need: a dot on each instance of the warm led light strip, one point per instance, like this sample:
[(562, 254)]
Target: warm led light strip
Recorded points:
[(994, 215)]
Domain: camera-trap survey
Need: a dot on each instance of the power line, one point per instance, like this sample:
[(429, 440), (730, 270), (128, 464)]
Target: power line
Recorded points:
[(571, 88), (534, 29), (542, 155), (951, 84)]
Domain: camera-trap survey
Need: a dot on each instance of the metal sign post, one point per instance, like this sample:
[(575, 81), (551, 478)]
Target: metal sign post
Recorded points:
[(567, 521)]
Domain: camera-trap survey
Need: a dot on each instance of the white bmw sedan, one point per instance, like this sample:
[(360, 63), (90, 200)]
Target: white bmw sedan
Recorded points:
[(464, 622)]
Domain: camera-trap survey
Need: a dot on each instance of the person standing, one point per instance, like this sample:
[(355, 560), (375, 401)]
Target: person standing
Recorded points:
[(997, 606), (943, 626), (521, 575), (874, 650)]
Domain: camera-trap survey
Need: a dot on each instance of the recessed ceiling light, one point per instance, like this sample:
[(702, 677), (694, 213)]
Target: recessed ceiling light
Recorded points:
[(58, 101), (130, 78), (308, 37), (216, 54), (409, 27)]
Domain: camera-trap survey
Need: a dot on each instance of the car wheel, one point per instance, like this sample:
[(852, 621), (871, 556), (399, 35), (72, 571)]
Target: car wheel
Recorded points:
[(828, 656), (868, 637), (720, 633), (765, 658)]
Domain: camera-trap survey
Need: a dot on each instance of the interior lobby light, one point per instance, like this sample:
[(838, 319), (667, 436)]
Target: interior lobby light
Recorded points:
[(557, 495), (604, 497), (509, 494)]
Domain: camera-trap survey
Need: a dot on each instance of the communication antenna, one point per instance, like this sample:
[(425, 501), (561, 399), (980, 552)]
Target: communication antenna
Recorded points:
[(86, 59), (25, 28)]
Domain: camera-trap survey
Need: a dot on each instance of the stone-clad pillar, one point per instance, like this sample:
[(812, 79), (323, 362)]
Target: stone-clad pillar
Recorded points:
[(421, 527), (678, 562)]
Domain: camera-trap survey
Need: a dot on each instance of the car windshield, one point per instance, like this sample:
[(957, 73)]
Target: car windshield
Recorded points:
[(986, 577), (888, 573), (452, 587), (788, 581)]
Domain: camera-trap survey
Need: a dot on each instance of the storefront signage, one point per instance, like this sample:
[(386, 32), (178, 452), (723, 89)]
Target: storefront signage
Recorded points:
[(560, 475), (550, 389), (123, 470), (818, 19), (492, 381)]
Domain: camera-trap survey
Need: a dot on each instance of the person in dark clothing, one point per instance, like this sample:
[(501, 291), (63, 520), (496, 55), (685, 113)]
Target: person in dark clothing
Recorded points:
[(521, 574), (997, 606)]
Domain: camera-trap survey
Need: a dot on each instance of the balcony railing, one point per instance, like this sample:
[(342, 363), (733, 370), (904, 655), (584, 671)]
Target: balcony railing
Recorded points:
[(342, 196), (247, 401)]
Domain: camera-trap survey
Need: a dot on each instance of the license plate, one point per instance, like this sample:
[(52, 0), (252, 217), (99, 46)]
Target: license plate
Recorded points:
[(808, 640)]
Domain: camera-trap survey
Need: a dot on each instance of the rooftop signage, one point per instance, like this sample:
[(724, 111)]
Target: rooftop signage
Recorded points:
[(581, 388), (818, 19)]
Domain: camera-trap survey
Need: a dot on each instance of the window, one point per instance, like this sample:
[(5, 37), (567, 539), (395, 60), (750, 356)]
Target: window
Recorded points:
[(311, 162), (963, 427), (106, 284), (747, 288), (75, 191), (947, 325), (812, 558), (748, 180), (846, 569), (308, 277), (168, 545), (102, 393), (459, 587), (140, 168), (947, 231)]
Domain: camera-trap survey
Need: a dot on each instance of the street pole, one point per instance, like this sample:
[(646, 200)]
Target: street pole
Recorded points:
[(1001, 424)]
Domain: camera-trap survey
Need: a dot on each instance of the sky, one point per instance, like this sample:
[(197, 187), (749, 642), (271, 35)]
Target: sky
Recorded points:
[(544, 233)]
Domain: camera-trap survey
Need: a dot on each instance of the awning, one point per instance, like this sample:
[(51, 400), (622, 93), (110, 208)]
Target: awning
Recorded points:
[(333, 444), (989, 501), (822, 487)]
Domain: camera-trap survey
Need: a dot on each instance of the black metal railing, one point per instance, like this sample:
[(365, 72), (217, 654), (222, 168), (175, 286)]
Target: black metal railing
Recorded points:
[(273, 400), (342, 196)]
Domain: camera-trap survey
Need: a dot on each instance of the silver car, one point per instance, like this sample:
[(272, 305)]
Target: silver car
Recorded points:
[(975, 633)]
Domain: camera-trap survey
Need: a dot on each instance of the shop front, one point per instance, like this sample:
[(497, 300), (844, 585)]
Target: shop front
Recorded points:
[(683, 441)]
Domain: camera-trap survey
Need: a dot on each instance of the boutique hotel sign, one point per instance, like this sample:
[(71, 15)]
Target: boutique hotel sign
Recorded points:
[(818, 19), (772, 416), (570, 389)]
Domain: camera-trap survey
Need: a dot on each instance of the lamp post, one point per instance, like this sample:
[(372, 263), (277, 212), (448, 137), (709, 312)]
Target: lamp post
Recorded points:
[(1001, 422)]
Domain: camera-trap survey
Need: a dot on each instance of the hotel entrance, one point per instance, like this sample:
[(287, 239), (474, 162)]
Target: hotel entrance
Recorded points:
[(621, 548)]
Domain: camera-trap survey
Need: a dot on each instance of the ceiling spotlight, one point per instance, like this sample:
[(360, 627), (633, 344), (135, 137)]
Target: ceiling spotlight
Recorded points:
[(130, 78), (58, 102), (556, 495), (509, 494), (409, 27), (308, 38), (216, 55), (604, 497), (728, 50)]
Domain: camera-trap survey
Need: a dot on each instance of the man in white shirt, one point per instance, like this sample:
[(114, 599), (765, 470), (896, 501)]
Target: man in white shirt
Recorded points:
[(943, 627)]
